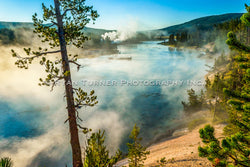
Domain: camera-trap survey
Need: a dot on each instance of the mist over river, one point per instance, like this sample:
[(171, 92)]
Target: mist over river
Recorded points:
[(144, 84)]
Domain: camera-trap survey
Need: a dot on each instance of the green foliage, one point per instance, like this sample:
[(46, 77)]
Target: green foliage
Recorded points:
[(235, 44), (212, 150), (83, 99), (75, 16), (7, 36), (202, 31), (97, 154), (239, 92), (232, 40), (220, 61), (62, 25), (217, 99), (195, 102), (183, 37), (6, 162), (171, 40), (245, 18), (205, 23), (137, 153), (199, 33), (162, 162), (234, 150), (15, 36)]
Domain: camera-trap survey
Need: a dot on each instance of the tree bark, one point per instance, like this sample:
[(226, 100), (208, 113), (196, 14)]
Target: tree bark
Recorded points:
[(74, 137), (248, 36)]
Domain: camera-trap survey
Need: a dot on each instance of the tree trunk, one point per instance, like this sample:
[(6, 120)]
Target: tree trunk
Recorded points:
[(248, 35), (216, 100), (74, 138)]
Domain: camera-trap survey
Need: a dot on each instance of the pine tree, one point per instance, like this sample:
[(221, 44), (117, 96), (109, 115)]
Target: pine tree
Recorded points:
[(6, 162), (97, 154), (195, 102), (232, 40), (231, 151), (7, 36), (63, 25), (234, 150), (162, 162), (171, 39), (137, 153), (178, 37)]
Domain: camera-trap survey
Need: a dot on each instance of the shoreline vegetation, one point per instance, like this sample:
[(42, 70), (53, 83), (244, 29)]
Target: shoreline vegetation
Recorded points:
[(228, 78), (178, 150), (227, 96)]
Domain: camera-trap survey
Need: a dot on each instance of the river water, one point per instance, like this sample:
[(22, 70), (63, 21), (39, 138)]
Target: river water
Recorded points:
[(144, 84)]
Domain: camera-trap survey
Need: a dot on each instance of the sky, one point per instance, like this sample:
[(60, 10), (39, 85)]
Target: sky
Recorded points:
[(144, 14)]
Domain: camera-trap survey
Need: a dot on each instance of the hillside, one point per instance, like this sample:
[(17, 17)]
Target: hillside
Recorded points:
[(204, 23), (13, 25), (179, 151)]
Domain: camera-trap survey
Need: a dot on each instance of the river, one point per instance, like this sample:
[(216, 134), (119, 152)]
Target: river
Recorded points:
[(144, 84)]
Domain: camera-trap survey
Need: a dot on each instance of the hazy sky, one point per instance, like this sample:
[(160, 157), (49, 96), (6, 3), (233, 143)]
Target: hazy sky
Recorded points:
[(145, 14)]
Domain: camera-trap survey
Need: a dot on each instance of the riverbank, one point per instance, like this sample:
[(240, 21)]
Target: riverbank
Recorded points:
[(209, 50), (179, 151)]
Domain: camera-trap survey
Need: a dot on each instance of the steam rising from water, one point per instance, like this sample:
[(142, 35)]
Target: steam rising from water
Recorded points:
[(123, 33), (43, 138)]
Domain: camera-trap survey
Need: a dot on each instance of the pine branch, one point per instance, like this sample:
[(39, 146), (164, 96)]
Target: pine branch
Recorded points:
[(78, 65), (235, 44), (53, 24), (37, 54), (65, 12), (54, 83)]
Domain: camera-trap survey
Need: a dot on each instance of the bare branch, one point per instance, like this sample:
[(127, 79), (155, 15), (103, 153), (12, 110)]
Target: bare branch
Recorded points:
[(77, 115), (78, 65), (54, 83), (53, 23), (65, 12), (51, 52), (38, 55), (66, 120), (84, 128), (81, 105)]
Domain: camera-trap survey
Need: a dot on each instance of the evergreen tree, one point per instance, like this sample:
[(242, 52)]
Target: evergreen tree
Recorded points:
[(183, 37), (63, 25), (231, 151), (195, 101), (171, 39), (217, 92), (162, 162), (232, 40), (97, 154), (7, 36), (137, 153), (6, 162), (234, 150), (178, 39)]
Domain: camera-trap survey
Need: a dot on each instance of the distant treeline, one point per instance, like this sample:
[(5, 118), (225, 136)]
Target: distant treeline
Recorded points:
[(7, 36), (214, 89), (21, 36), (203, 35)]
